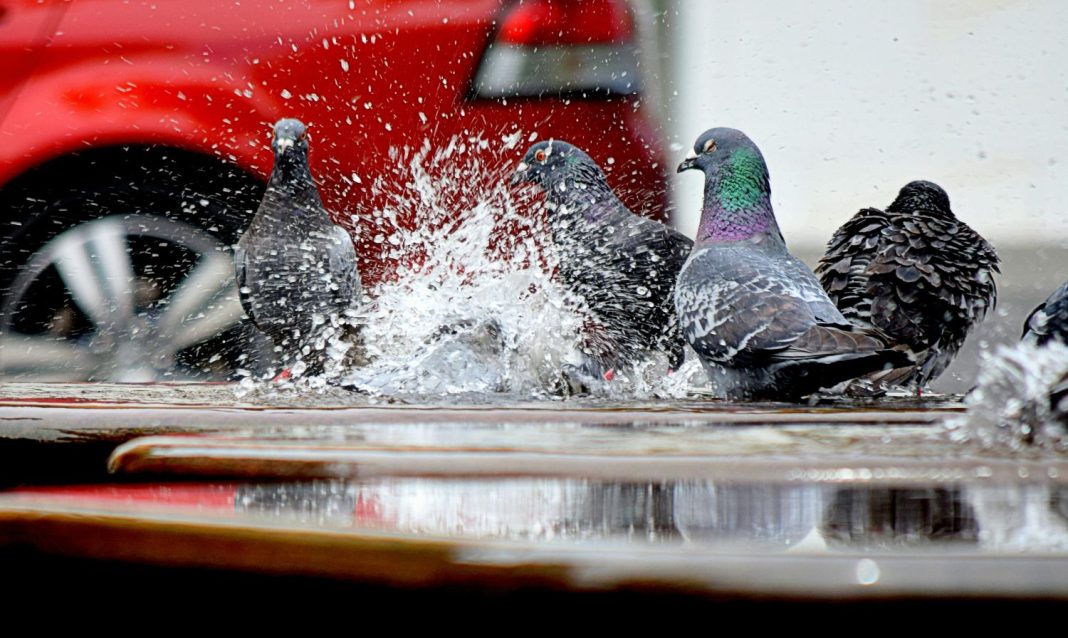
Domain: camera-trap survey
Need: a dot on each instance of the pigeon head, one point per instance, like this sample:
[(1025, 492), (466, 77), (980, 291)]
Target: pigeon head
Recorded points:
[(921, 195), (718, 147), (289, 134), (555, 165), (291, 171), (737, 202)]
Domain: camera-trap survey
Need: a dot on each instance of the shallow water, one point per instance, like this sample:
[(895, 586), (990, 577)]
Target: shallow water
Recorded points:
[(810, 518), (844, 498)]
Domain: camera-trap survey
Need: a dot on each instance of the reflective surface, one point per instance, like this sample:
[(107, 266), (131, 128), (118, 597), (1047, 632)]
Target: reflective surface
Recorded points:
[(831, 501), (1026, 518), (697, 515)]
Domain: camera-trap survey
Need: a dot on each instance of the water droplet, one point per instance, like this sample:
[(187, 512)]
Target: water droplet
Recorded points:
[(867, 572)]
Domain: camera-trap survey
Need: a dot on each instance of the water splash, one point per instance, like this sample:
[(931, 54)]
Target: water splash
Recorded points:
[(1014, 406), (472, 308)]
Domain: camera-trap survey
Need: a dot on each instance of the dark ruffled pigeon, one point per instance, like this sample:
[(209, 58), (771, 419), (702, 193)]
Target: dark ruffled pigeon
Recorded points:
[(1049, 321), (756, 315), (915, 272), (296, 270), (622, 266)]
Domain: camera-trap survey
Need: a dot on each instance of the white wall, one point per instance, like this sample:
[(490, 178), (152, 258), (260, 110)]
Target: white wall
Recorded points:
[(851, 99)]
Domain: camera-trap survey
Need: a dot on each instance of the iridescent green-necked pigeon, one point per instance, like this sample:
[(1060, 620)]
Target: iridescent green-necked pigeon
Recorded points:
[(756, 315)]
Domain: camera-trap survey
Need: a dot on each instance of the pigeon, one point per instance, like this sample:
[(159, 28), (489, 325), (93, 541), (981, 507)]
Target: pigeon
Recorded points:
[(621, 266), (1049, 321), (296, 270), (755, 314), (914, 272)]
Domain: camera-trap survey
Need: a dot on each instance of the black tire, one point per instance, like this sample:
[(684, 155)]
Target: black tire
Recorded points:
[(174, 214)]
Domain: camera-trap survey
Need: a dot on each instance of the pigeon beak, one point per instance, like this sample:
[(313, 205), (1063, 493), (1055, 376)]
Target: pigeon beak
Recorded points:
[(282, 144), (520, 175), (689, 162)]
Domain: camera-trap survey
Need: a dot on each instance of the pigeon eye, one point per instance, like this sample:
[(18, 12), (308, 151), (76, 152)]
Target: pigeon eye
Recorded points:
[(540, 156), (710, 146)]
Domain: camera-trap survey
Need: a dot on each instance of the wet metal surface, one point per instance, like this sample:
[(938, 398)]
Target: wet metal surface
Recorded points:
[(805, 540), (835, 500), (819, 453)]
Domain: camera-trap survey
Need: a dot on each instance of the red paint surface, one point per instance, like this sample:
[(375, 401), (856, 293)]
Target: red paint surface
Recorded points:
[(201, 496), (210, 77)]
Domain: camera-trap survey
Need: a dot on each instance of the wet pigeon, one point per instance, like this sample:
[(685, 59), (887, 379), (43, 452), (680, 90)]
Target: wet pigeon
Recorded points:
[(1049, 321), (915, 272), (756, 315), (621, 265), (296, 270)]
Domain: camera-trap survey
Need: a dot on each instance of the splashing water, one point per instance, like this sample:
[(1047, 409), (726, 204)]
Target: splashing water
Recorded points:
[(472, 308), (1011, 407)]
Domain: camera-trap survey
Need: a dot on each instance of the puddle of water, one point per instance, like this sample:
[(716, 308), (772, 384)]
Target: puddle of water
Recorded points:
[(803, 518), (833, 447), (223, 395)]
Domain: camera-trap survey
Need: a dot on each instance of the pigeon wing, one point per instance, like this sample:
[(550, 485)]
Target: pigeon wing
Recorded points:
[(733, 308), (931, 281), (341, 260), (623, 268), (1049, 320), (652, 254), (843, 269), (241, 272)]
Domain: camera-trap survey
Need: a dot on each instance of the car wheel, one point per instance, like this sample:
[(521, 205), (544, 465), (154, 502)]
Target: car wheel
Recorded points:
[(129, 298)]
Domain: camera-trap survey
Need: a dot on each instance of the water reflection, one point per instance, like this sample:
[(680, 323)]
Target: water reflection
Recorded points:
[(1021, 517), (1017, 518), (531, 509), (876, 517), (772, 514), (699, 515)]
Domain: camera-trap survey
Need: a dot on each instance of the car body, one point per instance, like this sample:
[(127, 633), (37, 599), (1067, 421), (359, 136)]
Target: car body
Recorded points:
[(162, 111)]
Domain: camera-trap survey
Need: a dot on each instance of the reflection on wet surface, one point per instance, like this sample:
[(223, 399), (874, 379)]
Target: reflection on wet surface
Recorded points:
[(699, 515), (1010, 518), (224, 395), (905, 516)]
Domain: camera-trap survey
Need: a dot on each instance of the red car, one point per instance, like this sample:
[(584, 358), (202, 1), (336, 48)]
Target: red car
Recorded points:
[(134, 145)]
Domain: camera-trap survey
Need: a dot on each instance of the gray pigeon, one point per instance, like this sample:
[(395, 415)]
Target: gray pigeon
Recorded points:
[(1049, 321), (296, 270), (756, 315), (622, 266), (915, 272)]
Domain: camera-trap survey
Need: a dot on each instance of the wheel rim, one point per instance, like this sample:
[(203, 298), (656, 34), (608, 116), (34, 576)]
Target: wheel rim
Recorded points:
[(116, 318)]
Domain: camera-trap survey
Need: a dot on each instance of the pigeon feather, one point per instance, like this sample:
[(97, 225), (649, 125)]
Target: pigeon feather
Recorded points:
[(1049, 321), (914, 272)]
